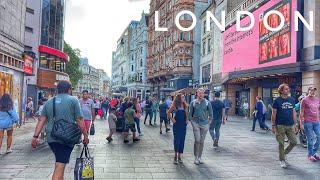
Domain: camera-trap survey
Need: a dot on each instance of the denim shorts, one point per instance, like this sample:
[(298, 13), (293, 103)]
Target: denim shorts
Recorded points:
[(132, 127), (61, 152), (6, 129), (164, 119)]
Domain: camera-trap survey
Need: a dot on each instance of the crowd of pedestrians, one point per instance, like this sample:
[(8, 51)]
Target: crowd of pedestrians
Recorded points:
[(288, 119)]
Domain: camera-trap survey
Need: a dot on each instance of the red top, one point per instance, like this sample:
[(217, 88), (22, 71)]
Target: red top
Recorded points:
[(55, 52)]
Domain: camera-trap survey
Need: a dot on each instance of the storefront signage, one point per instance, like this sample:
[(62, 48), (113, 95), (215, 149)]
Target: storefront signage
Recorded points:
[(60, 77), (28, 65), (259, 47)]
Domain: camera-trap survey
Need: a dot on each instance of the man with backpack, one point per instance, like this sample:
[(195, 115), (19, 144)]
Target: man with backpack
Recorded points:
[(200, 115), (63, 108)]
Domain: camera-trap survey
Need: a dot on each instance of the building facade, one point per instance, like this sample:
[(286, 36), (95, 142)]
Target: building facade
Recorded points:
[(173, 56), (53, 60), (12, 61), (206, 60), (274, 58), (129, 70), (137, 81), (32, 40), (91, 79)]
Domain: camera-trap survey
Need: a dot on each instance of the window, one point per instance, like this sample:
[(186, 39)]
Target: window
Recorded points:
[(203, 48), (29, 29), (132, 68), (204, 26), (182, 36), (27, 48), (206, 73), (29, 10), (209, 45), (141, 63)]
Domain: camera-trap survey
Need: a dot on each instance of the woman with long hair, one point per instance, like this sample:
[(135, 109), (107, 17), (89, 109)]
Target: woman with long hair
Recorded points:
[(180, 121), (8, 117)]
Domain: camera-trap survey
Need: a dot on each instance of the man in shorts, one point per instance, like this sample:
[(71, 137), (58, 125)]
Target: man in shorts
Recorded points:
[(129, 115), (163, 108), (68, 108), (88, 111)]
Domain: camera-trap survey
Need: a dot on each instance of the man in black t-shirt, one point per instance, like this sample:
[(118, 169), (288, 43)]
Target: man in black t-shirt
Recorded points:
[(148, 109), (218, 111), (283, 120)]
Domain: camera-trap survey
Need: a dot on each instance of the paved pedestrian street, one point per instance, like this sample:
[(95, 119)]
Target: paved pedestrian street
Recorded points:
[(243, 155)]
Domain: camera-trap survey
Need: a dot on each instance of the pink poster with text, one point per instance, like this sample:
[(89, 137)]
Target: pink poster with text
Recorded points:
[(259, 47)]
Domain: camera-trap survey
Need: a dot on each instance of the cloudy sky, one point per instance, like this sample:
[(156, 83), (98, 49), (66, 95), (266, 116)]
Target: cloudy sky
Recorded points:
[(94, 26)]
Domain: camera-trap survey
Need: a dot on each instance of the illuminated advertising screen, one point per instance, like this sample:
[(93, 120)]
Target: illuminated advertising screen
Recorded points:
[(259, 47)]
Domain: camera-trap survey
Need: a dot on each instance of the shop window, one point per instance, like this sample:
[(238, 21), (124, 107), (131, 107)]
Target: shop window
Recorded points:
[(5, 83)]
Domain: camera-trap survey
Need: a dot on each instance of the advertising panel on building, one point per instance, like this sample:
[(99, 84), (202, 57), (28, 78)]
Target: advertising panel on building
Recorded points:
[(259, 47)]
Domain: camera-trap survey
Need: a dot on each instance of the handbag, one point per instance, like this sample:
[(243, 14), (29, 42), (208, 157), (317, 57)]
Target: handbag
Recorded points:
[(64, 130), (84, 167), (92, 129)]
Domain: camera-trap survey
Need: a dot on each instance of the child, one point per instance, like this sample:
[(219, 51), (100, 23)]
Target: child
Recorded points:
[(112, 124), (129, 115), (163, 107)]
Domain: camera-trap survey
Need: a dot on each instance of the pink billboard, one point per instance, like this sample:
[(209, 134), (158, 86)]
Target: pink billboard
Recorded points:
[(258, 47)]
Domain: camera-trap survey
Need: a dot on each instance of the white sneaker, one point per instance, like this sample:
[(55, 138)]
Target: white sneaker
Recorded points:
[(196, 161), (200, 160), (283, 164), (286, 161)]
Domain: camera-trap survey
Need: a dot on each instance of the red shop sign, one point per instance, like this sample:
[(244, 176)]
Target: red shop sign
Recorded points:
[(28, 65)]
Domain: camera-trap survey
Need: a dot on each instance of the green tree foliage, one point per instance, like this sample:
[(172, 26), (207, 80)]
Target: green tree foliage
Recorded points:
[(72, 68)]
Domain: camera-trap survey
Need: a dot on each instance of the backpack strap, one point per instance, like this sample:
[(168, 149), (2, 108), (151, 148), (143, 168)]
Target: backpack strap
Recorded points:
[(54, 108), (9, 114)]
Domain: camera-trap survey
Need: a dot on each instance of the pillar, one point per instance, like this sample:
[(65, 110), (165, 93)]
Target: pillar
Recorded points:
[(231, 94), (253, 94), (310, 79)]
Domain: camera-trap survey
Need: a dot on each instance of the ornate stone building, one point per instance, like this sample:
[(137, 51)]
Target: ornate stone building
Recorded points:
[(174, 55)]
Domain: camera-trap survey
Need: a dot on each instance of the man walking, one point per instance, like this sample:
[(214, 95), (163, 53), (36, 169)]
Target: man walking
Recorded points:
[(309, 121), (227, 104), (283, 121), (155, 109), (218, 112), (88, 111), (148, 108), (67, 107), (200, 115)]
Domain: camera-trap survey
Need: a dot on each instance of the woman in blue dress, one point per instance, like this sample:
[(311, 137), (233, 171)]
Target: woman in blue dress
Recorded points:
[(180, 121)]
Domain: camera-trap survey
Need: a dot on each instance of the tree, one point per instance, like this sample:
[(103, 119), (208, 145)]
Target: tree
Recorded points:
[(72, 68)]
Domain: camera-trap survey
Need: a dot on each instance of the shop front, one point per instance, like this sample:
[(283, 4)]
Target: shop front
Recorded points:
[(11, 79), (51, 70)]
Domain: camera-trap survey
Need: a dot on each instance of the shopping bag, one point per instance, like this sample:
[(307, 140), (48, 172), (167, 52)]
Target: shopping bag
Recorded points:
[(84, 168), (92, 129)]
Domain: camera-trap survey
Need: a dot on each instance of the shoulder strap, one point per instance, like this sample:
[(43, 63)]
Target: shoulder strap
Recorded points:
[(192, 109), (9, 114), (54, 108)]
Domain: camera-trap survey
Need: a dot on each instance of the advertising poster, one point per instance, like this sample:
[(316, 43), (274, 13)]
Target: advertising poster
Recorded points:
[(258, 47)]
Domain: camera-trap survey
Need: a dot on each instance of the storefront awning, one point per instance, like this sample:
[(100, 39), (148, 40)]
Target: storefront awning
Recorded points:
[(54, 52)]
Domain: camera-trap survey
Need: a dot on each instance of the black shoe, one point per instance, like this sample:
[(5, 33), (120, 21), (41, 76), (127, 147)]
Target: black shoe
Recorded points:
[(109, 139), (160, 132), (252, 130), (125, 141), (150, 124), (136, 140), (167, 130)]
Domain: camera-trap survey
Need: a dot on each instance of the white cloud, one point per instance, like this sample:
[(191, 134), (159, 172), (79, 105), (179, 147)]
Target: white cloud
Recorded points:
[(94, 26)]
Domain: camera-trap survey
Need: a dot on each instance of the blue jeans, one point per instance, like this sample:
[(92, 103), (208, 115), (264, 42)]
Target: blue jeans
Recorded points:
[(310, 128), (154, 115), (214, 129), (261, 123), (105, 111), (137, 121)]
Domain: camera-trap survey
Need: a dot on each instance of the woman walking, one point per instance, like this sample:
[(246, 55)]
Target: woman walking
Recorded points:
[(180, 107), (8, 117), (137, 108)]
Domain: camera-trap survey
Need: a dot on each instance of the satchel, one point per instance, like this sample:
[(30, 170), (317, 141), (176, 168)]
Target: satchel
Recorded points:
[(92, 129), (84, 167), (64, 130)]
